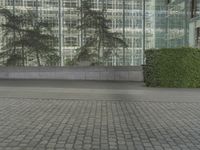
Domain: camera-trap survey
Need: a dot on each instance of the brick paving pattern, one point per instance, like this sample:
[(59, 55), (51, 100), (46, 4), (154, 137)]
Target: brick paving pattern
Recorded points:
[(47, 124)]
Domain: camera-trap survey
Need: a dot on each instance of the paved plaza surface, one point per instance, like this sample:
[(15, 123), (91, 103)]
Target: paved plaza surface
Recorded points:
[(91, 115)]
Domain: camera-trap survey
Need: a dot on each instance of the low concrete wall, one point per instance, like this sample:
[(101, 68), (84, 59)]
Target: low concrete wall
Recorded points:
[(73, 73)]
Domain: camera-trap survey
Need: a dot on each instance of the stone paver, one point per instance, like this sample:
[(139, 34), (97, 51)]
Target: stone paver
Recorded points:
[(98, 124), (83, 115)]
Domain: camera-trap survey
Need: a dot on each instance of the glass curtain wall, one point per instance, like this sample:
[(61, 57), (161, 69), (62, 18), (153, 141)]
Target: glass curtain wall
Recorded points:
[(2, 3), (177, 23), (198, 25), (149, 24), (160, 27), (194, 23), (127, 19), (133, 32)]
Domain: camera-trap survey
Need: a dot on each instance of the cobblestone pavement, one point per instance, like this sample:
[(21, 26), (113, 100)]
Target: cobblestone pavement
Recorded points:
[(98, 125), (83, 118)]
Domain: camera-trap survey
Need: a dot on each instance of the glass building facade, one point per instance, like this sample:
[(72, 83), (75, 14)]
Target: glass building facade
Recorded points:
[(126, 15), (194, 24), (183, 23), (166, 23), (177, 23)]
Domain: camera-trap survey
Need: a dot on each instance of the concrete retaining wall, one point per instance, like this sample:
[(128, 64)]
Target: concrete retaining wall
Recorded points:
[(73, 73)]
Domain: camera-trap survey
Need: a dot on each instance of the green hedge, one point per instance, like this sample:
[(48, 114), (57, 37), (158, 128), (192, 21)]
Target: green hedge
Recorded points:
[(179, 67)]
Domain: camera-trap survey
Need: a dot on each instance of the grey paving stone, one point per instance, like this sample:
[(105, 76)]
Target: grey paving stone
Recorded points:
[(27, 123)]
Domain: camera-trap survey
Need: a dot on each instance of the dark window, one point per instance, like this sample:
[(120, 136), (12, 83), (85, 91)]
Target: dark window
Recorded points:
[(193, 8), (198, 37)]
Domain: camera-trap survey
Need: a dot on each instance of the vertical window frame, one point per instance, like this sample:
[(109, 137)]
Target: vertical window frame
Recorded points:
[(198, 37), (193, 8)]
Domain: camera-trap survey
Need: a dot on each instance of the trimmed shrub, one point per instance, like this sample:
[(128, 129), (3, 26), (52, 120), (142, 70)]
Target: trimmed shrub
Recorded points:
[(178, 67)]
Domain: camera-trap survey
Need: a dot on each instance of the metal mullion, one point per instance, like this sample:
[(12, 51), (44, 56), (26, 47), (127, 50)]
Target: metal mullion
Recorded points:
[(144, 32), (124, 32)]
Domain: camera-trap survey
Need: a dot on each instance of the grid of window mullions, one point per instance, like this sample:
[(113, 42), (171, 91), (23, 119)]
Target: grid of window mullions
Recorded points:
[(128, 22)]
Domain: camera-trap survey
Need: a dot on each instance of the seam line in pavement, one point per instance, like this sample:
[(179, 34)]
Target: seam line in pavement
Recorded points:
[(89, 99)]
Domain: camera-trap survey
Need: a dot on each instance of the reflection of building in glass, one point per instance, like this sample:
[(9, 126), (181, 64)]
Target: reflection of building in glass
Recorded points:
[(126, 16), (155, 24), (159, 13), (183, 23), (177, 23), (168, 23), (194, 24)]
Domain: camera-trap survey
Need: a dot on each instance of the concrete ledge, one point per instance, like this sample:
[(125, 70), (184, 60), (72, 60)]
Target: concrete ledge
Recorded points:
[(73, 73)]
